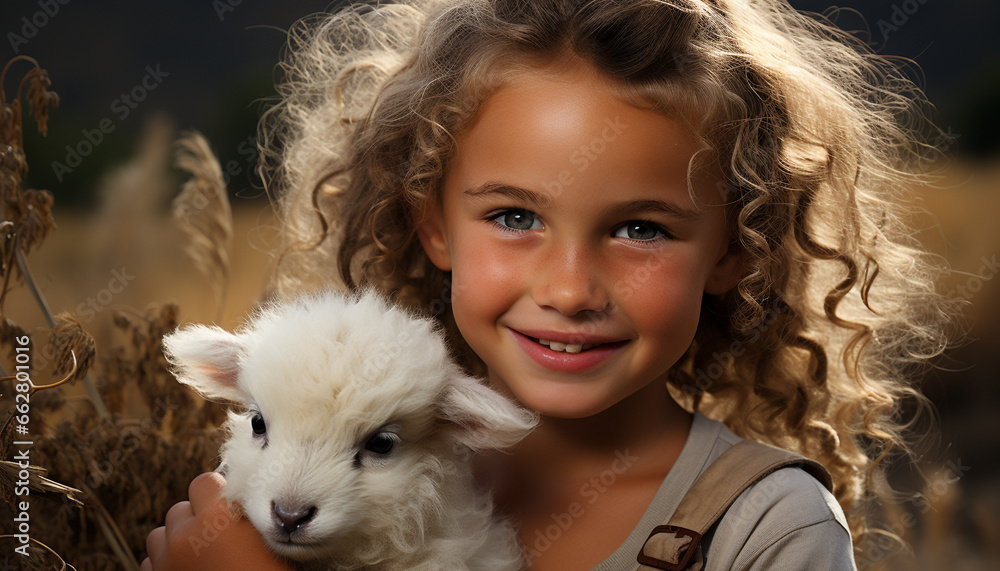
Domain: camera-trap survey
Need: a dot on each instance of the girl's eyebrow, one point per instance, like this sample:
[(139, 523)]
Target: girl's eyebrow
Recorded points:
[(503, 189), (622, 208), (661, 206)]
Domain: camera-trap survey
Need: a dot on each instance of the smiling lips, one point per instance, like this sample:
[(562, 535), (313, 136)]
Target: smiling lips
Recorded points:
[(567, 353)]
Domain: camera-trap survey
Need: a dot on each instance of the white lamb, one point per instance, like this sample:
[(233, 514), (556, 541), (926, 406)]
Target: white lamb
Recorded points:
[(352, 446)]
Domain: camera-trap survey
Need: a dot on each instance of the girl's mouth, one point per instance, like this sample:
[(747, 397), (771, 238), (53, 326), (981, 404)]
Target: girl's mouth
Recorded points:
[(566, 357)]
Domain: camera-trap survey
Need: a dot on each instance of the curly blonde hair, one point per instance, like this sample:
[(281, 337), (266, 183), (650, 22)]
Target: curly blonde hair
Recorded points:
[(827, 332)]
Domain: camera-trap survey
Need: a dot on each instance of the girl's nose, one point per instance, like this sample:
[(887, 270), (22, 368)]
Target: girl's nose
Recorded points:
[(570, 282)]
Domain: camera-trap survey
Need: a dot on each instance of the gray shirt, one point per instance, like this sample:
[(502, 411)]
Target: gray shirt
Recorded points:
[(788, 520)]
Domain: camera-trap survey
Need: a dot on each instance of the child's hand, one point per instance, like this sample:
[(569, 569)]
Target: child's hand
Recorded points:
[(203, 534)]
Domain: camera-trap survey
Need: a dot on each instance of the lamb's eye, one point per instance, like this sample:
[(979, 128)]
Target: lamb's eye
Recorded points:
[(257, 422), (381, 442)]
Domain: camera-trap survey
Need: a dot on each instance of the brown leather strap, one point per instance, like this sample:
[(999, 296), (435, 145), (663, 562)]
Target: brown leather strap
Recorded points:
[(675, 545)]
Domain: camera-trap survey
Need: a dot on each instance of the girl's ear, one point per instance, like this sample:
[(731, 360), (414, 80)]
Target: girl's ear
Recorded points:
[(430, 229), (484, 419), (728, 270), (207, 360)]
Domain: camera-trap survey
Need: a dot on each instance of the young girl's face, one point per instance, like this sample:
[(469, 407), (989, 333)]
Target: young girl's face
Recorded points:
[(578, 258)]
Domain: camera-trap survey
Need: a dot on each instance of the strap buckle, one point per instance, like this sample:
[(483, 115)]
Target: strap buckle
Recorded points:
[(685, 556)]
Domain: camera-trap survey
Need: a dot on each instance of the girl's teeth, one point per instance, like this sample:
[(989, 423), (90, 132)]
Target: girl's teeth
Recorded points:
[(567, 347)]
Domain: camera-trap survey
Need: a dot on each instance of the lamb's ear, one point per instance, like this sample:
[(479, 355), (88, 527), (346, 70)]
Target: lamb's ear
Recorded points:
[(206, 359), (484, 419)]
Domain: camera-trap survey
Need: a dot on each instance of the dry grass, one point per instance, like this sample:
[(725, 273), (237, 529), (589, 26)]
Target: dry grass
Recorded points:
[(129, 446), (202, 212)]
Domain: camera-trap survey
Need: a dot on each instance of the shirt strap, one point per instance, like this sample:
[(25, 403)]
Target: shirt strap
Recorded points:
[(674, 546)]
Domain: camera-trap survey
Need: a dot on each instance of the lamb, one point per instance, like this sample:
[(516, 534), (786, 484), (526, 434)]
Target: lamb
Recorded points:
[(352, 445)]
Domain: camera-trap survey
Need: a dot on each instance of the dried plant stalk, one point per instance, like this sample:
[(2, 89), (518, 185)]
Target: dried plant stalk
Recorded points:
[(121, 474), (28, 210), (203, 213), (39, 485), (30, 283), (72, 346), (127, 470)]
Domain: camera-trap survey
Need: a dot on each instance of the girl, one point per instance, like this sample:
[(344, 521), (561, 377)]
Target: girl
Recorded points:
[(633, 217)]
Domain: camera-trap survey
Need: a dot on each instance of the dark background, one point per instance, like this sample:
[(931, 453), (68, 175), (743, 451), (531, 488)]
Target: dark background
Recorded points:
[(220, 56)]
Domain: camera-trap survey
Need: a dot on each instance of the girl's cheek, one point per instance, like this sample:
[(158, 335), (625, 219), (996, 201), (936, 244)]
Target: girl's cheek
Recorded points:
[(486, 265), (660, 294), (483, 279), (635, 276)]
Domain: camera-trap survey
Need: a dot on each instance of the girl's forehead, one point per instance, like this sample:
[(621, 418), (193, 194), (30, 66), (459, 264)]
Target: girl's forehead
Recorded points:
[(564, 128), (570, 89)]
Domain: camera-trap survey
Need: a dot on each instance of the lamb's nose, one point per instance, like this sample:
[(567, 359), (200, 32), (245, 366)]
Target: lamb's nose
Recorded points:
[(292, 520)]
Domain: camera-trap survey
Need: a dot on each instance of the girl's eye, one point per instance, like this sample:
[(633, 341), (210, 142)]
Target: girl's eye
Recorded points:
[(518, 219), (257, 423), (640, 230)]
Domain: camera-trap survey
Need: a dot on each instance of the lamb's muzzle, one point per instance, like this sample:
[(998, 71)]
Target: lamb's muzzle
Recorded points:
[(292, 521), (351, 442)]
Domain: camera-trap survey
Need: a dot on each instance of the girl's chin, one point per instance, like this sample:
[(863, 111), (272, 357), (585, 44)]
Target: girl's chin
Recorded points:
[(585, 398), (564, 402)]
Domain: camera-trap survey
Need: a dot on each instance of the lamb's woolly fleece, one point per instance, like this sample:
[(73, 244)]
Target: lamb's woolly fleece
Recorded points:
[(327, 372)]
